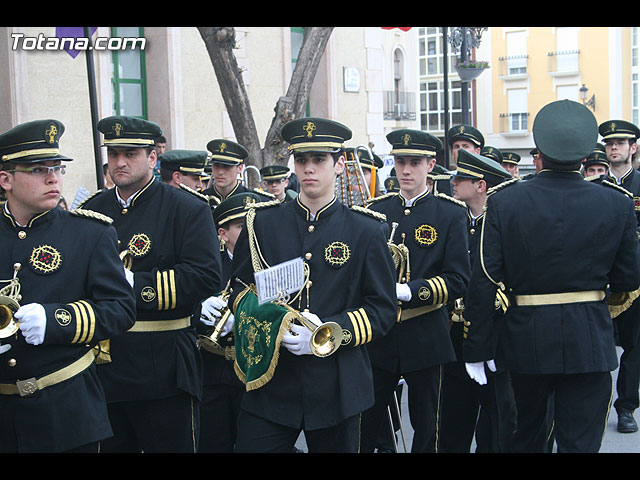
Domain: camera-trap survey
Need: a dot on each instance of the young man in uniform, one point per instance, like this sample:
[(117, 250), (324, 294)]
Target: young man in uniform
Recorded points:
[(597, 163), (275, 179), (468, 409), (510, 161), (556, 339), (349, 282), (620, 139), (153, 383), (65, 278), (183, 167), (433, 228)]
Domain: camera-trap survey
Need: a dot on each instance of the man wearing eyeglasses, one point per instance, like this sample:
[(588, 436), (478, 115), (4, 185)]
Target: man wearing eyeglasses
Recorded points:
[(63, 270)]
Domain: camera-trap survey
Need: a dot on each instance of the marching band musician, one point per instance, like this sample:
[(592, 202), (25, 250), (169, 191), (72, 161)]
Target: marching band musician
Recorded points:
[(222, 390), (153, 382), (73, 293), (433, 228), (351, 283), (183, 167), (468, 408), (275, 179), (556, 339)]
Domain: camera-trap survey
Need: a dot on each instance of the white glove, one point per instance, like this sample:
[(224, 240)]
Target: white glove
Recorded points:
[(297, 341), (5, 348), (476, 371), (129, 275), (33, 322), (212, 310), (312, 317), (403, 292), (228, 325)]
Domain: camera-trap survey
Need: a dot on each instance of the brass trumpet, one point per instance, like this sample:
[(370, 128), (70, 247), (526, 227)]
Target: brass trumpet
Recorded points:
[(400, 254), (325, 339), (9, 304), (209, 339)]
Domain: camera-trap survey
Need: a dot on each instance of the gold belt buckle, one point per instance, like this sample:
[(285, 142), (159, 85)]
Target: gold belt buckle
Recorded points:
[(27, 387)]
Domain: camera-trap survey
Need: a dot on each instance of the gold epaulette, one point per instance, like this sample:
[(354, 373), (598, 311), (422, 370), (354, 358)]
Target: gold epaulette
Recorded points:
[(617, 187), (451, 199), (81, 204), (592, 178), (262, 192), (502, 185), (381, 197), (268, 203), (216, 200), (441, 176), (372, 213), (81, 212), (193, 192)]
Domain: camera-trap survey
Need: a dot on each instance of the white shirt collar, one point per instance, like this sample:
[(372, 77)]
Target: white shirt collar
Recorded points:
[(122, 202), (408, 203)]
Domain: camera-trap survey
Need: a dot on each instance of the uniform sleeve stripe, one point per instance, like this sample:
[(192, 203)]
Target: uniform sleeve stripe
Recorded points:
[(367, 325), (159, 289), (172, 282), (444, 288), (81, 320), (434, 289), (92, 321), (165, 290), (356, 329)]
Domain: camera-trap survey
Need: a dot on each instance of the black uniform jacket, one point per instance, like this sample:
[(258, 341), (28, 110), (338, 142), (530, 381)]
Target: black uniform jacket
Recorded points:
[(555, 233), (352, 277), (215, 197), (175, 266), (631, 182), (70, 265), (435, 229)]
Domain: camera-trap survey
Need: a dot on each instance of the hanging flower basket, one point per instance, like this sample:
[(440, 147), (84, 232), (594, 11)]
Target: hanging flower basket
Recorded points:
[(470, 70)]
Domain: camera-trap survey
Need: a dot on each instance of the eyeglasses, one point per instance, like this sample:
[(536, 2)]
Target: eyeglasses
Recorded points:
[(42, 171)]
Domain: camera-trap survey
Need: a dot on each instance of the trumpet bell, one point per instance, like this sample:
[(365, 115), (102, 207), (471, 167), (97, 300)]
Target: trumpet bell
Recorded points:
[(326, 339), (8, 324)]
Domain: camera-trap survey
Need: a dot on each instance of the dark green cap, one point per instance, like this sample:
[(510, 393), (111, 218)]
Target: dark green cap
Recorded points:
[(233, 207), (565, 131), (184, 161), (274, 172), (618, 129), (474, 166), (31, 142), (597, 157), (311, 134), (365, 159), (492, 153), (407, 142), (465, 132), (227, 152), (510, 157), (391, 184), (125, 131)]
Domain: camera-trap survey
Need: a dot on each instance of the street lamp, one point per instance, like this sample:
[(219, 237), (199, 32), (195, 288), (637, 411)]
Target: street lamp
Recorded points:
[(583, 96)]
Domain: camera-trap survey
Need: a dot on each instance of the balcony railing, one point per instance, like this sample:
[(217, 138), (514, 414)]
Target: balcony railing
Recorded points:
[(399, 106), (564, 62), (514, 66)]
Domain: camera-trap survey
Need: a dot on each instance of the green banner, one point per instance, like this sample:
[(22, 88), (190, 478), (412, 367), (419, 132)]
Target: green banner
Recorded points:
[(258, 331)]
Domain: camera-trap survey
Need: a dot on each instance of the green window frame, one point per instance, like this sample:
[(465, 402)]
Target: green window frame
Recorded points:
[(129, 88)]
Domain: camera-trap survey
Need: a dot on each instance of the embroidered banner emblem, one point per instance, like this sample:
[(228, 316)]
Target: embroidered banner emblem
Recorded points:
[(45, 259), (337, 254), (426, 235), (139, 245)]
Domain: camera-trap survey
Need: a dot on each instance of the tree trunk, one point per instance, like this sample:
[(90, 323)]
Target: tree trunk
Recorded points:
[(220, 42)]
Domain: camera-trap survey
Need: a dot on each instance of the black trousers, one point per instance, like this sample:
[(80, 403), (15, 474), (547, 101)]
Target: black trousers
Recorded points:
[(423, 400), (468, 409), (219, 411), (628, 383), (580, 404), (167, 425), (258, 435)]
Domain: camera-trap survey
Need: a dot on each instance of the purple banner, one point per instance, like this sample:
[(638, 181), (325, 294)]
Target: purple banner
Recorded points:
[(72, 32)]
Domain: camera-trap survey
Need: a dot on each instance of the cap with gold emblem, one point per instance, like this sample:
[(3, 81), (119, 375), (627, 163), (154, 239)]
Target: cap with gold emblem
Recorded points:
[(233, 207), (311, 134), (126, 131), (391, 184), (618, 129), (474, 166), (510, 157), (35, 141), (227, 152), (407, 142), (274, 172), (565, 131), (493, 153), (598, 157), (184, 161), (465, 132)]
